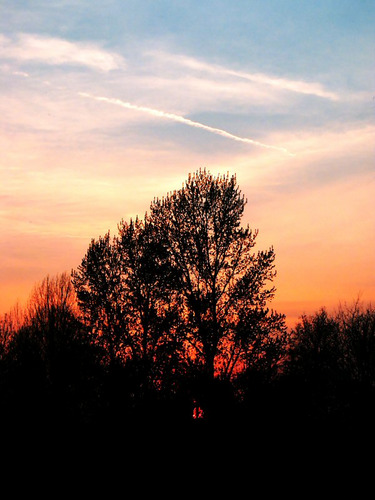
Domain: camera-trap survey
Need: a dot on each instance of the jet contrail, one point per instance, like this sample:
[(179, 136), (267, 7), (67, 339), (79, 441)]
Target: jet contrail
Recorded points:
[(186, 121)]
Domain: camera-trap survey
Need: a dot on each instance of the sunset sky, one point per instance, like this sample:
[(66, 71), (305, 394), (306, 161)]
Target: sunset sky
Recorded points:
[(106, 105)]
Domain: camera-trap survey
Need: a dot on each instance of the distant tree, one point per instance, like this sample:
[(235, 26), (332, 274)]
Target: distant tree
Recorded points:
[(342, 343), (223, 283), (51, 314), (50, 310), (332, 363), (315, 346), (356, 324), (48, 364), (51, 303), (357, 334), (10, 323)]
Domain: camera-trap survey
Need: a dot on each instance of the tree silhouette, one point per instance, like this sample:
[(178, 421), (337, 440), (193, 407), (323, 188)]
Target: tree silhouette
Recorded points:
[(51, 314), (180, 296), (331, 366), (49, 369), (124, 291), (148, 289), (97, 282), (356, 324), (222, 281)]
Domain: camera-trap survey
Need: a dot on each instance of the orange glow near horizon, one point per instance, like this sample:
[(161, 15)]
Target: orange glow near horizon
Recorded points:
[(323, 235), (323, 258)]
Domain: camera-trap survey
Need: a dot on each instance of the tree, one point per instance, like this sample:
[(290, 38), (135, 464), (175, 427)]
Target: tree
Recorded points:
[(51, 315), (315, 346), (149, 296), (356, 324), (331, 364), (97, 283), (178, 300), (124, 289), (10, 324), (52, 302), (49, 369), (223, 283)]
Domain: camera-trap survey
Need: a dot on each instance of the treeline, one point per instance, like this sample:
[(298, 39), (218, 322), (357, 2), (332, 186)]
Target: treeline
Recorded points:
[(166, 324), (55, 374)]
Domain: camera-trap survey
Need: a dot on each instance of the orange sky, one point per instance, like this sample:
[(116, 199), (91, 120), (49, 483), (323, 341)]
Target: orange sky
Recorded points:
[(99, 118), (323, 235)]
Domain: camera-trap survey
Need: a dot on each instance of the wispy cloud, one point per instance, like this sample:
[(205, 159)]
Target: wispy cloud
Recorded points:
[(186, 121), (298, 86), (57, 51)]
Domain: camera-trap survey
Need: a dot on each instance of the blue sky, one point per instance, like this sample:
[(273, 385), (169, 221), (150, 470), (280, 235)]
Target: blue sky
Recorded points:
[(105, 105)]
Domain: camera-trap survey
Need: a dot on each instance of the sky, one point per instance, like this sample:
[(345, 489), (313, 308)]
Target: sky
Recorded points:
[(106, 105)]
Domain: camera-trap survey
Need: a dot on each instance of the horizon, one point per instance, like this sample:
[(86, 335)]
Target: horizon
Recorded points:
[(106, 107)]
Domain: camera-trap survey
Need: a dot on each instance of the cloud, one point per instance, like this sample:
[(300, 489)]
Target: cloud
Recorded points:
[(21, 73), (298, 86), (186, 121), (56, 51)]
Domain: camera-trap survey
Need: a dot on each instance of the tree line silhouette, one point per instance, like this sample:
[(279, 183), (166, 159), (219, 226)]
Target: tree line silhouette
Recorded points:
[(167, 323)]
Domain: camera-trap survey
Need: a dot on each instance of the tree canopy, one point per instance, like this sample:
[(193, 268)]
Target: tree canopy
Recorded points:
[(184, 283), (223, 282)]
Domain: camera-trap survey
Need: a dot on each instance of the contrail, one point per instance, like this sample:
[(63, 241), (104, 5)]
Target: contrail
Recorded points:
[(186, 121)]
